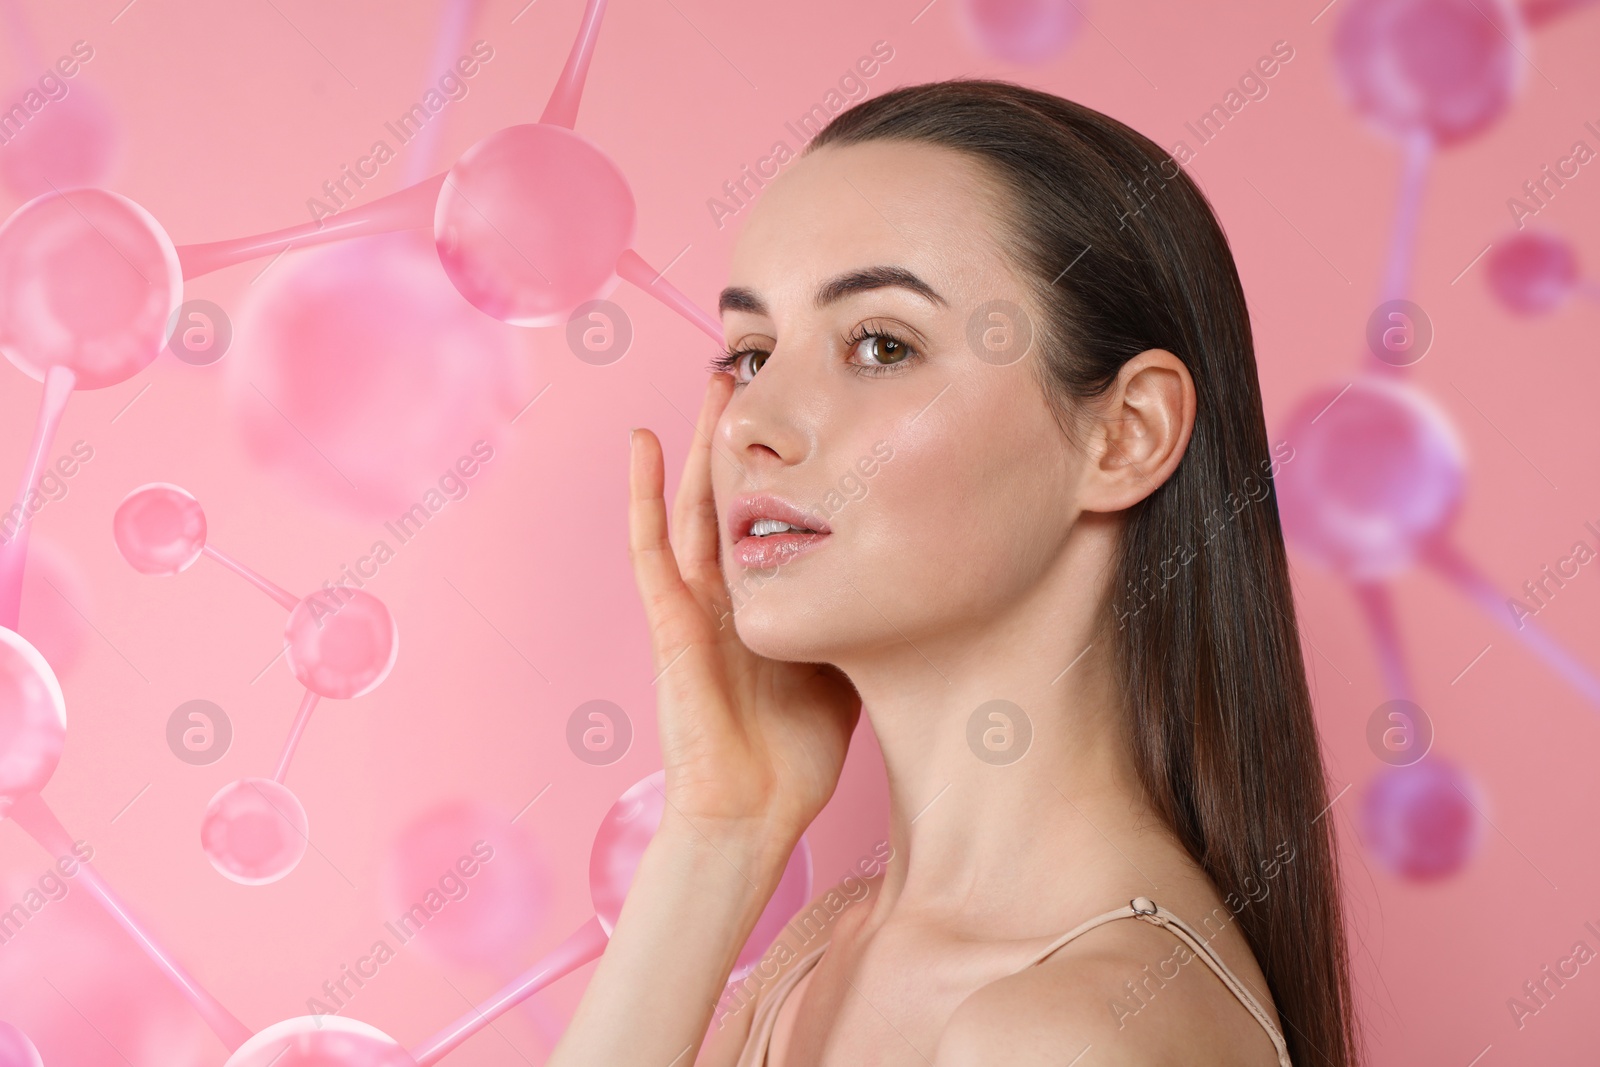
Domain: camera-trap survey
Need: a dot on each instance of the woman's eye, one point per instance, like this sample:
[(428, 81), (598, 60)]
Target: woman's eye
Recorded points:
[(732, 362), (882, 349), (753, 358), (871, 353)]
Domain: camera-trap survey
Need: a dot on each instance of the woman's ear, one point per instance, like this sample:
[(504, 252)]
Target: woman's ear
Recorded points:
[(1140, 430)]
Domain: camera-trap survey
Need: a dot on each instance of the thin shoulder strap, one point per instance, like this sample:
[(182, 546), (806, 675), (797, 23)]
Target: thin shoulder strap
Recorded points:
[(765, 1020), (1153, 913)]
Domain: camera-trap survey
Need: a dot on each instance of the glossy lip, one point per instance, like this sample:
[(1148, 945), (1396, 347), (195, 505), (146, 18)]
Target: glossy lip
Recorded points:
[(745, 510)]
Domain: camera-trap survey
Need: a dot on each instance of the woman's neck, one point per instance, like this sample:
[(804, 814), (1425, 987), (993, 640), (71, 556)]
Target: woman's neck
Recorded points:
[(1013, 795)]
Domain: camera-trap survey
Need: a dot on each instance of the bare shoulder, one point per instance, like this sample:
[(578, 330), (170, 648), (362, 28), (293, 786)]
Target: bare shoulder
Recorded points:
[(1125, 994)]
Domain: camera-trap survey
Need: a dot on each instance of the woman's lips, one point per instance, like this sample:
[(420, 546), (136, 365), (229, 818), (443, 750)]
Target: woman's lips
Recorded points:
[(774, 550)]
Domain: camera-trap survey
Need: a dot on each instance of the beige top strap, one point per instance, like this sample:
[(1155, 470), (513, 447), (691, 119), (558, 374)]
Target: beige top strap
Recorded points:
[(754, 1053), (1153, 913)]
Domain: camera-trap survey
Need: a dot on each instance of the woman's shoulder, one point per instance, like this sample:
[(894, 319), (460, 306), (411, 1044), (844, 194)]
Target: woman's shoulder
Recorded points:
[(1129, 990)]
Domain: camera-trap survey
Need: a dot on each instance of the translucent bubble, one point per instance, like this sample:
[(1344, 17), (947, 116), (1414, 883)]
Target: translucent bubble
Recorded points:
[(320, 1041), (619, 845), (1021, 31), (530, 223), (341, 644), (1446, 68), (1375, 475), (361, 375), (159, 529), (33, 719), (1532, 273), (73, 141), (88, 280), (15, 1048), (1419, 822), (479, 874), (254, 831)]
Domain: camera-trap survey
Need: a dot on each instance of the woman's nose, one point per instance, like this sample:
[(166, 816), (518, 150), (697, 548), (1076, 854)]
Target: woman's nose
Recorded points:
[(771, 421)]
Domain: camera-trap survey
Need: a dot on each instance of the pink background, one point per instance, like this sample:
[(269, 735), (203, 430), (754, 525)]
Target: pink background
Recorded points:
[(231, 119)]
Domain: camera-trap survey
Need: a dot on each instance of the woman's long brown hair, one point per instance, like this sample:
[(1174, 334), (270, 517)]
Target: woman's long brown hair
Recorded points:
[(1123, 254)]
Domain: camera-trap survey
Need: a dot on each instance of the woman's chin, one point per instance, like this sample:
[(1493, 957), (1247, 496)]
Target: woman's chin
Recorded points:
[(779, 637)]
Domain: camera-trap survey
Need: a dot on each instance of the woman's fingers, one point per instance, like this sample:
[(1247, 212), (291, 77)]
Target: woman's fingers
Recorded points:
[(695, 511), (655, 568)]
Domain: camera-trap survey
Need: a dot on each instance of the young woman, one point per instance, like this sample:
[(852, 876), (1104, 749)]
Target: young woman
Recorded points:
[(985, 458)]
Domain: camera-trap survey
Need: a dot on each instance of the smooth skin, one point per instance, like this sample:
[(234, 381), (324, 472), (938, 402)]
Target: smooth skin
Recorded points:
[(970, 570)]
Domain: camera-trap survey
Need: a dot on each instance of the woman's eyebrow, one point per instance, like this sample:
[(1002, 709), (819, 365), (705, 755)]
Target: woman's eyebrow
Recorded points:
[(738, 298)]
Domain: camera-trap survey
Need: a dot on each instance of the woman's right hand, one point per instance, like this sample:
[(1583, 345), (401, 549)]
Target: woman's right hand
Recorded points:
[(750, 745)]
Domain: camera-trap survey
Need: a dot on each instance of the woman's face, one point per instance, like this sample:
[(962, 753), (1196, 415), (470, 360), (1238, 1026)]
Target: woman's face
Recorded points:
[(911, 424)]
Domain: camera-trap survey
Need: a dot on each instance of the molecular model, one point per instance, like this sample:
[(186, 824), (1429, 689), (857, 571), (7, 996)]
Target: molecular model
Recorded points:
[(1377, 474), (529, 223), (339, 643), (533, 221)]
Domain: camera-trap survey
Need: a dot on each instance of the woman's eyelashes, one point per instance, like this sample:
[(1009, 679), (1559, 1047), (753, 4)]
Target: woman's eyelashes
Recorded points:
[(728, 362), (880, 349)]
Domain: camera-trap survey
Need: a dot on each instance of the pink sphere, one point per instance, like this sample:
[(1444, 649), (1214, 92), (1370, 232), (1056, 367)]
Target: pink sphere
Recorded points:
[(55, 601), (361, 375), (1021, 31), (619, 846), (33, 719), (15, 1048), (1533, 272), (1446, 68), (479, 879), (320, 1041), (1419, 822), (70, 142), (1375, 476), (159, 529), (530, 223), (341, 644), (254, 831), (88, 280)]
